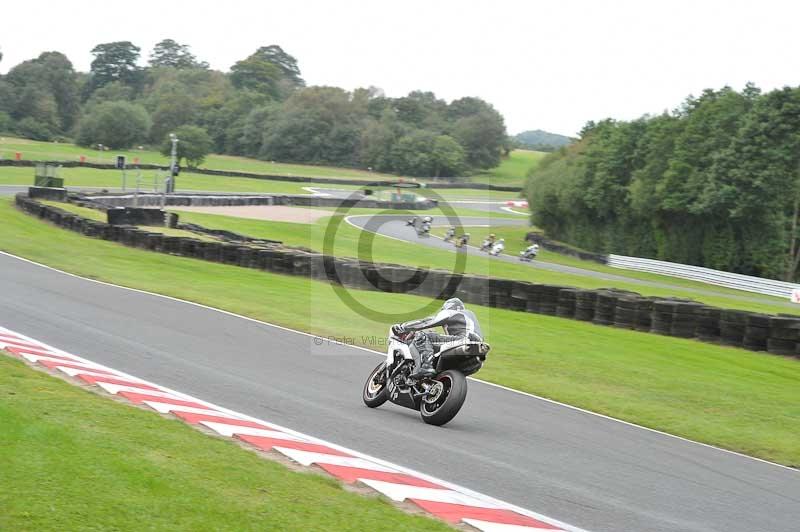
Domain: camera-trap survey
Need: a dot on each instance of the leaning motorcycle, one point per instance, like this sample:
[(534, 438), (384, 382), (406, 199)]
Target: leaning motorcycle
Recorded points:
[(439, 398), (527, 256)]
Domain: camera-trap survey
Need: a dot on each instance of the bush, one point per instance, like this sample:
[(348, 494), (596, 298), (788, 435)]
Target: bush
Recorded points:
[(6, 123), (30, 128), (193, 145), (115, 124)]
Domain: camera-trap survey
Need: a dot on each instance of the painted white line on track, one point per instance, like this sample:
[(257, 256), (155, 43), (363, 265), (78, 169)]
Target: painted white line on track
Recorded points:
[(378, 353)]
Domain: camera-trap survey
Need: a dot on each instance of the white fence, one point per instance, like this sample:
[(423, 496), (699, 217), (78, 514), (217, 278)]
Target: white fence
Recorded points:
[(706, 275)]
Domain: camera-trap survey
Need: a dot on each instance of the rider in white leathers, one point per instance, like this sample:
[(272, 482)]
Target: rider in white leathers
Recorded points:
[(457, 322)]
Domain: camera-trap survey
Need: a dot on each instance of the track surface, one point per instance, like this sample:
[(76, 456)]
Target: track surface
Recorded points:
[(395, 226), (583, 469)]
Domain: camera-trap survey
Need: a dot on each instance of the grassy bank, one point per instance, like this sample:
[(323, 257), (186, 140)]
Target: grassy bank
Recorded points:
[(512, 170), (77, 461), (51, 151), (734, 398)]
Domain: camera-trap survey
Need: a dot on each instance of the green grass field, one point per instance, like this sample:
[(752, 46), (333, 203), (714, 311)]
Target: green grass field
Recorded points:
[(729, 397), (52, 151), (350, 239), (513, 170), (72, 460)]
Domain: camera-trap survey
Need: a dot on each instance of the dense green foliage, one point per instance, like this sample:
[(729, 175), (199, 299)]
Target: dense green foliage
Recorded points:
[(261, 108), (539, 140), (715, 183), (116, 124)]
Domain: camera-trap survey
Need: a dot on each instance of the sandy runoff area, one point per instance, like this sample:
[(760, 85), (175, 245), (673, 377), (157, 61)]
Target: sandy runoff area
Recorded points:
[(274, 213)]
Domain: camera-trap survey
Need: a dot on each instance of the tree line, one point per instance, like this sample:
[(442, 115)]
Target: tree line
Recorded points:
[(715, 183), (260, 108)]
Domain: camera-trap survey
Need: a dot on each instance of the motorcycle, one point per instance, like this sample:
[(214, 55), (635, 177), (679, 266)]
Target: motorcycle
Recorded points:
[(448, 237), (528, 255), (424, 229), (439, 398), (486, 245), (496, 250), (461, 242)]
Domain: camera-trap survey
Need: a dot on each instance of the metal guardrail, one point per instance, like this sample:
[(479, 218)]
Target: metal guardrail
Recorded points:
[(738, 281)]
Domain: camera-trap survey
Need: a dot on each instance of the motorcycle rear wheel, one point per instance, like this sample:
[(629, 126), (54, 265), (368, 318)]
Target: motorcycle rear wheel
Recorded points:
[(450, 402), (375, 392)]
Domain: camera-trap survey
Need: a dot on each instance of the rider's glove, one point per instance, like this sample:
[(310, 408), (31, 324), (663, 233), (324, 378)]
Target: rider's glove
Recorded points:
[(398, 329)]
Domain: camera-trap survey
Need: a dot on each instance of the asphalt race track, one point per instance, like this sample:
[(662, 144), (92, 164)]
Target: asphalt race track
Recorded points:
[(394, 226), (583, 469)]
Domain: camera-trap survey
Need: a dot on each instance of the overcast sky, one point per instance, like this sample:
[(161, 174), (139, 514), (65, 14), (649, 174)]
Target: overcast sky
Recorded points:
[(549, 65)]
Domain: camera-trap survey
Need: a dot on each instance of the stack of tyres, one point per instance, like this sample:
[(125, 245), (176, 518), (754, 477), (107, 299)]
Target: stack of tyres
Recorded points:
[(567, 298), (784, 335), (519, 295), (187, 246), (548, 298), (534, 297), (756, 332), (585, 301), (385, 276), (500, 293), (707, 323), (684, 320), (154, 242), (605, 307), (302, 263), (732, 324), (663, 313), (644, 314), (625, 312)]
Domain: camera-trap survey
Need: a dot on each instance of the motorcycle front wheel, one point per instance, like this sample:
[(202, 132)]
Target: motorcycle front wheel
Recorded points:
[(448, 398), (375, 392)]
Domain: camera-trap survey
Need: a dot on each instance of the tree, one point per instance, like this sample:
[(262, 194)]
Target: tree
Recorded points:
[(269, 71), (117, 125), (169, 53), (193, 145), (114, 61), (447, 157), (480, 130), (46, 90)]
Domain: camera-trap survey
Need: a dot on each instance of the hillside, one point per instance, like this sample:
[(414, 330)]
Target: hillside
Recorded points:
[(537, 139)]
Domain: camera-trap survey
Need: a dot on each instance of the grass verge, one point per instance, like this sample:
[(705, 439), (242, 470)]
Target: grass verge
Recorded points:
[(513, 170), (78, 461), (733, 398)]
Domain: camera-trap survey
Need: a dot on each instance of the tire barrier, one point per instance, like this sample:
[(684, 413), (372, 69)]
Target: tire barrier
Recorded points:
[(48, 193), (778, 335)]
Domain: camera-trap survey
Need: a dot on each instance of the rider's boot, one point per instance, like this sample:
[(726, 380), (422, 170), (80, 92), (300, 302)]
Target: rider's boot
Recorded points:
[(425, 369)]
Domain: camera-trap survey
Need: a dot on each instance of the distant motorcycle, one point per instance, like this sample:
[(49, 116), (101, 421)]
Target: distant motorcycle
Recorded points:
[(439, 398), (486, 245), (448, 236), (424, 229), (497, 248), (529, 253), (461, 242)]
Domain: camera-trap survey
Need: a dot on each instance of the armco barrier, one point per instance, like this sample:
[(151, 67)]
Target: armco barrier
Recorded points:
[(778, 335), (738, 281), (106, 201)]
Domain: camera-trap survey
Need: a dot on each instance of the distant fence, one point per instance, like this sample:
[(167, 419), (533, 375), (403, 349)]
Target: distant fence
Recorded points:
[(738, 281)]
